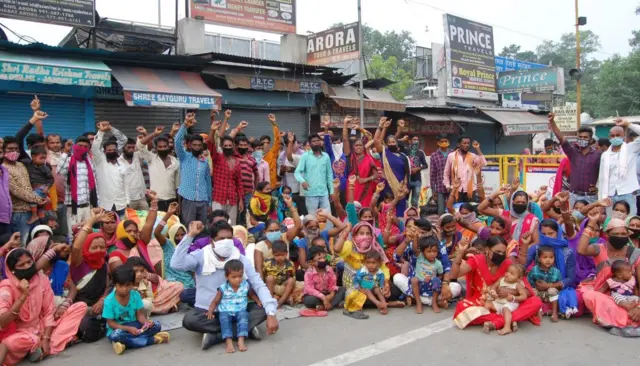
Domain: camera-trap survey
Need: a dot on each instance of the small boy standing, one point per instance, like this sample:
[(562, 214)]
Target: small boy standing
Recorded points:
[(280, 276), (231, 305), (426, 282), (127, 326), (41, 179), (320, 283), (546, 279)]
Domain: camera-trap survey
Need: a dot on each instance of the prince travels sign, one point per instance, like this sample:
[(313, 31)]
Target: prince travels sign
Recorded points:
[(548, 79)]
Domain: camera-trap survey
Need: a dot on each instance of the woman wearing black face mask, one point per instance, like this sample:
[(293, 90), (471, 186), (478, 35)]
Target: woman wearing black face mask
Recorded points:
[(621, 318), (394, 164), (28, 298), (633, 225), (484, 270)]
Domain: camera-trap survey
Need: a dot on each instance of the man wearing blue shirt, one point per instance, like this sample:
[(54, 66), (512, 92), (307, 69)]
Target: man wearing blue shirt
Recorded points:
[(195, 175), (315, 175), (209, 279)]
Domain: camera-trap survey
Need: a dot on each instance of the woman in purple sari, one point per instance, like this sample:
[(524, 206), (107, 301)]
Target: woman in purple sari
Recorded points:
[(395, 166)]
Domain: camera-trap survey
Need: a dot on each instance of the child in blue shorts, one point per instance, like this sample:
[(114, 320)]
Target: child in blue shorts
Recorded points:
[(428, 272)]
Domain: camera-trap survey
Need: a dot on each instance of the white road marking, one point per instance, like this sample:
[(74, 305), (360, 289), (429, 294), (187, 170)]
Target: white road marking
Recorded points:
[(387, 344)]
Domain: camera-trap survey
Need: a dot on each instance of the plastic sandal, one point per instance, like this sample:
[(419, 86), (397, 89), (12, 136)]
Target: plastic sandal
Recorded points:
[(313, 313)]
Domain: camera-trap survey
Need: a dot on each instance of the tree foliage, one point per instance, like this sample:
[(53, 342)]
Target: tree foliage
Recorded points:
[(389, 68)]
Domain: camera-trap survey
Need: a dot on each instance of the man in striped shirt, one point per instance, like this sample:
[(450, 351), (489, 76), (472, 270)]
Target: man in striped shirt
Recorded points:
[(195, 175)]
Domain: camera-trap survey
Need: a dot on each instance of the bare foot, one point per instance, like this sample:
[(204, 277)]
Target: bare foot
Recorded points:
[(443, 304), (435, 307), (320, 307), (504, 331), (409, 301), (554, 317), (395, 304), (418, 307), (383, 309), (241, 346), (230, 348), (487, 327), (514, 327)]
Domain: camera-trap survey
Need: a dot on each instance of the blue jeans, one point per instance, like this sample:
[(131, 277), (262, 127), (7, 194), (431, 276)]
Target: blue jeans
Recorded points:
[(188, 296), (226, 323), (141, 340), (629, 198), (19, 224), (575, 197), (416, 189), (315, 202)]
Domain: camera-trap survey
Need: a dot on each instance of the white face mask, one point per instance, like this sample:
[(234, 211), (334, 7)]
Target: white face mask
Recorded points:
[(223, 248)]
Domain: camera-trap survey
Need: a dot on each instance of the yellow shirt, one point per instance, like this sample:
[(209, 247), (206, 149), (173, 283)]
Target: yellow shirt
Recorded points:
[(356, 260)]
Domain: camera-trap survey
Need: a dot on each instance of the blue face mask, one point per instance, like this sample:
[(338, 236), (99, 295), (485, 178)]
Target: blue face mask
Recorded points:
[(258, 154), (376, 156), (578, 215), (273, 236), (616, 141)]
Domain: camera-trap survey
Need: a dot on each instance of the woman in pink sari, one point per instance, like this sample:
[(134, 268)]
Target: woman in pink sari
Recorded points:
[(133, 242), (26, 303), (620, 318), (363, 167), (108, 228)]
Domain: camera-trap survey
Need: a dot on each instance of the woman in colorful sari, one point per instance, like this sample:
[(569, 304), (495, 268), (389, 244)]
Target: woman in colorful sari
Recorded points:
[(395, 166), (481, 271), (108, 228), (132, 242), (363, 167), (89, 272), (167, 245), (552, 235), (26, 302), (521, 217), (621, 318), (353, 255)]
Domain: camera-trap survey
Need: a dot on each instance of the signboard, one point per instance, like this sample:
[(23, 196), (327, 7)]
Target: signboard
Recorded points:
[(537, 176), (491, 178), (522, 129), (47, 74), (64, 12), (310, 87), (433, 128), (148, 99), (470, 60), (567, 117), (509, 64), (276, 16), (543, 80), (334, 45), (258, 83)]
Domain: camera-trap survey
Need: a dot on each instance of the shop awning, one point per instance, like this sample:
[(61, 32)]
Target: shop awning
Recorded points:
[(268, 83), (518, 122), (380, 100), (443, 117), (165, 88), (266, 100), (50, 70)]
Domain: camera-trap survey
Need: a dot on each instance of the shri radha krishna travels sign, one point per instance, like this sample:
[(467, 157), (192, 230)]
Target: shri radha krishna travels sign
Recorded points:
[(54, 75)]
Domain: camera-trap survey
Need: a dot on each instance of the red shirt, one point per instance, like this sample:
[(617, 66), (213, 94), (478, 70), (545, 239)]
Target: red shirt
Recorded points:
[(226, 181)]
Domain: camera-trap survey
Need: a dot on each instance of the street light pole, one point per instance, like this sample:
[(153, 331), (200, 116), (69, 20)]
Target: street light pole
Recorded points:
[(578, 102), (361, 71)]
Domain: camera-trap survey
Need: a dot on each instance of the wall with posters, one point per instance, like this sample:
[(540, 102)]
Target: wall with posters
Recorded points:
[(469, 50), (334, 45), (276, 16)]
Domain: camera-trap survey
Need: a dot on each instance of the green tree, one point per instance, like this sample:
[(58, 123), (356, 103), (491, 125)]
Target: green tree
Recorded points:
[(389, 68), (513, 51), (635, 40)]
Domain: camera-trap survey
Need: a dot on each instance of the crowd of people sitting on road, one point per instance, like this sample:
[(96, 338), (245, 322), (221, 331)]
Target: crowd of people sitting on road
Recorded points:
[(102, 235)]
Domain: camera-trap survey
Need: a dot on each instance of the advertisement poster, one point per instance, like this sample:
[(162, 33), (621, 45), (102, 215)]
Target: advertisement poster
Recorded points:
[(491, 178), (537, 176), (470, 60), (275, 16), (509, 64), (63, 12), (334, 45)]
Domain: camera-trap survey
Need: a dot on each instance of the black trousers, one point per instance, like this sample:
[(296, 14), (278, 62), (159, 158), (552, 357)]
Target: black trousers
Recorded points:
[(312, 301), (196, 321), (163, 205)]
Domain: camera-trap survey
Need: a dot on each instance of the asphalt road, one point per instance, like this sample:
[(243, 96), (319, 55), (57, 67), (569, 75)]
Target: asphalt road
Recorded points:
[(401, 336)]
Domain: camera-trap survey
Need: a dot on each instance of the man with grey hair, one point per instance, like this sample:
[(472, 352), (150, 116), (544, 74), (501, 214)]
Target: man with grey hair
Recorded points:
[(618, 178)]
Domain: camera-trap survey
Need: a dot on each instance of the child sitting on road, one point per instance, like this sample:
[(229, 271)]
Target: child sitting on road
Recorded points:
[(546, 279), (141, 284), (127, 326), (320, 283), (280, 276), (231, 305), (369, 280), (622, 285), (516, 293), (427, 281)]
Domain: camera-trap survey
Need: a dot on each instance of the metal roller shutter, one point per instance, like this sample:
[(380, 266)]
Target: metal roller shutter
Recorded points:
[(66, 115), (296, 120), (126, 119), (513, 144), (484, 133)]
